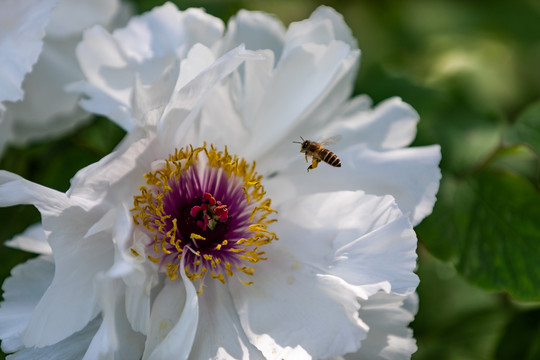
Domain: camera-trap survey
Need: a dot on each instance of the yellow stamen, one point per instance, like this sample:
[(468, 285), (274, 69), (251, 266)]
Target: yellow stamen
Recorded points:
[(194, 236)]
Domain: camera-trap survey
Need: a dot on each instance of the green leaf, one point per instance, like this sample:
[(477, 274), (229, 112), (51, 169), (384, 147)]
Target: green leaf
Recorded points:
[(488, 224), (527, 128), (469, 326), (502, 246), (521, 337), (520, 160), (443, 230)]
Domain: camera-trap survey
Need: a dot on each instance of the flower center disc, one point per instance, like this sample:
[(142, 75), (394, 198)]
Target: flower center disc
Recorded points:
[(207, 207)]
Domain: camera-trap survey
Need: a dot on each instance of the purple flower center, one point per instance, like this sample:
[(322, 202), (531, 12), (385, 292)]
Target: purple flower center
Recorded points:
[(207, 207)]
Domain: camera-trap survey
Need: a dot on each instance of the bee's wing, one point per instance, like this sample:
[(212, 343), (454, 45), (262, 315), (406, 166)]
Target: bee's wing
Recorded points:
[(330, 140)]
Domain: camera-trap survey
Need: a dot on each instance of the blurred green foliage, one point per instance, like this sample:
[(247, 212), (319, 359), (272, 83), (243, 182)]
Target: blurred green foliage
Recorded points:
[(471, 69)]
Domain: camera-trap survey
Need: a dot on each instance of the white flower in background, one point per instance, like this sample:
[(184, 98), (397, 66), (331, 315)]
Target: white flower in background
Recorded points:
[(178, 244), (37, 42), (22, 28)]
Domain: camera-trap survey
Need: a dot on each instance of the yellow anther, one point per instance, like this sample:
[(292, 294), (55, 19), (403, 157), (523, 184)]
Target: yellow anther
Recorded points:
[(194, 236), (200, 291)]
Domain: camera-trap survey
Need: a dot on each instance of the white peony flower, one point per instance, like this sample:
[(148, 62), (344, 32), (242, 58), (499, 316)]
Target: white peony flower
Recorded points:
[(38, 46), (202, 235)]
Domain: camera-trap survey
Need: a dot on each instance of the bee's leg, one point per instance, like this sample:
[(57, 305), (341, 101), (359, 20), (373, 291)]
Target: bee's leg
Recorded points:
[(314, 164), (306, 158)]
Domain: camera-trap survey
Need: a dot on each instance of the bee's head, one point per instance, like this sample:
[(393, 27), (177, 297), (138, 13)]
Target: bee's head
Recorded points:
[(304, 144)]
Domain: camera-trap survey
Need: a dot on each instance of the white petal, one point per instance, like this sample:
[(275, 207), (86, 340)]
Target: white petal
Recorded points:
[(112, 62), (73, 16), (251, 88), (236, 99), (389, 337), (138, 287), (198, 59), (14, 190), (165, 30), (33, 239), (72, 347), (390, 125), (257, 30), (149, 102), (57, 316), (139, 283), (180, 85), (363, 239), (78, 259), (99, 52), (292, 311), (384, 256), (105, 342), (117, 176), (174, 319), (22, 28), (339, 28), (22, 292), (410, 175), (178, 125), (324, 26), (314, 119), (298, 84), (115, 337), (219, 334), (105, 223), (47, 108)]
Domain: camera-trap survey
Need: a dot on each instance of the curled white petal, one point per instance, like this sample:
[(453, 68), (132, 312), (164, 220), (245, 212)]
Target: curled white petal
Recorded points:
[(174, 321), (22, 30), (33, 239), (113, 62), (115, 337), (376, 253), (390, 125), (389, 337), (288, 298), (77, 259), (22, 292), (219, 332), (257, 30)]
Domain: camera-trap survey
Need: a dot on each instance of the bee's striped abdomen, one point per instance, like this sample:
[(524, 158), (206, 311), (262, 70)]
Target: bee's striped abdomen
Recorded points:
[(330, 158)]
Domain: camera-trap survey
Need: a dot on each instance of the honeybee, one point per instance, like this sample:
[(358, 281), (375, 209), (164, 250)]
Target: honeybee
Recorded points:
[(318, 152)]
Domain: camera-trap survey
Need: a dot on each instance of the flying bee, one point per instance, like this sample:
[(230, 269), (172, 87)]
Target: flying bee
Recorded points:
[(318, 152)]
